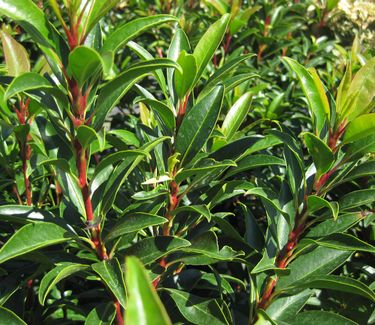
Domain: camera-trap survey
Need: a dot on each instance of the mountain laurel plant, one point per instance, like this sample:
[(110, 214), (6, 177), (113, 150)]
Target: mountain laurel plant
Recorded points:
[(181, 211)]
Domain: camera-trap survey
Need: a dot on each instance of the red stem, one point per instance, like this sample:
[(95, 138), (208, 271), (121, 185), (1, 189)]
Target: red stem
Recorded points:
[(119, 318)]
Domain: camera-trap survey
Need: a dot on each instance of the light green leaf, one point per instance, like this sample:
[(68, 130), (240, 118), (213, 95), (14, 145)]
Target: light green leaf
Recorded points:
[(314, 92), (102, 314), (208, 44), (183, 81), (86, 136), (144, 306), (16, 57), (361, 127), (84, 63), (315, 203), (236, 115), (321, 318)]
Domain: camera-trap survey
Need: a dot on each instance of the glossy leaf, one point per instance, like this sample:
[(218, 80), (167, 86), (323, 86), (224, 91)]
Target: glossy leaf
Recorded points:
[(144, 306), (208, 44), (236, 115), (134, 222), (16, 57), (152, 248), (198, 310), (54, 276), (86, 136), (321, 317), (198, 124), (128, 31), (10, 318), (322, 155), (111, 93), (102, 314), (345, 242), (314, 92), (361, 127), (112, 275), (183, 81), (32, 237), (84, 63)]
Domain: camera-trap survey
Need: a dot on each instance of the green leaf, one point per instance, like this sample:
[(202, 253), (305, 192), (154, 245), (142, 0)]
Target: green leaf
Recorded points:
[(7, 317), (86, 136), (320, 261), (183, 81), (133, 223), (198, 124), (321, 318), (198, 310), (128, 31), (102, 314), (32, 237), (340, 283), (315, 203), (208, 44), (26, 81), (144, 306), (16, 57), (286, 308), (152, 248), (321, 154), (330, 226), (112, 275), (54, 276), (163, 112), (314, 92), (360, 95), (361, 127), (345, 242), (199, 209), (357, 198), (31, 18), (98, 9), (112, 92), (178, 44), (254, 161), (236, 115), (84, 63)]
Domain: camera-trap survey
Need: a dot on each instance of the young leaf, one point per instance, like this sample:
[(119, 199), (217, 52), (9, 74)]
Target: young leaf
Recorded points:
[(361, 127), (314, 92), (236, 115), (112, 275), (208, 44), (321, 154), (183, 81), (16, 57), (86, 136), (32, 237), (144, 306), (198, 124), (84, 63)]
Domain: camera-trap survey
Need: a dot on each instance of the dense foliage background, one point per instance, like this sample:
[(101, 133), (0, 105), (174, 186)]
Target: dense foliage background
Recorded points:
[(187, 162)]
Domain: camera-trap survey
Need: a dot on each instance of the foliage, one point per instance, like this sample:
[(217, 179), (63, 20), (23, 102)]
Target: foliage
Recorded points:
[(172, 162)]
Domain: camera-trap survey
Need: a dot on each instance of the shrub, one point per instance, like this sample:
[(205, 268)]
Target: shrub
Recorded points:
[(189, 188)]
